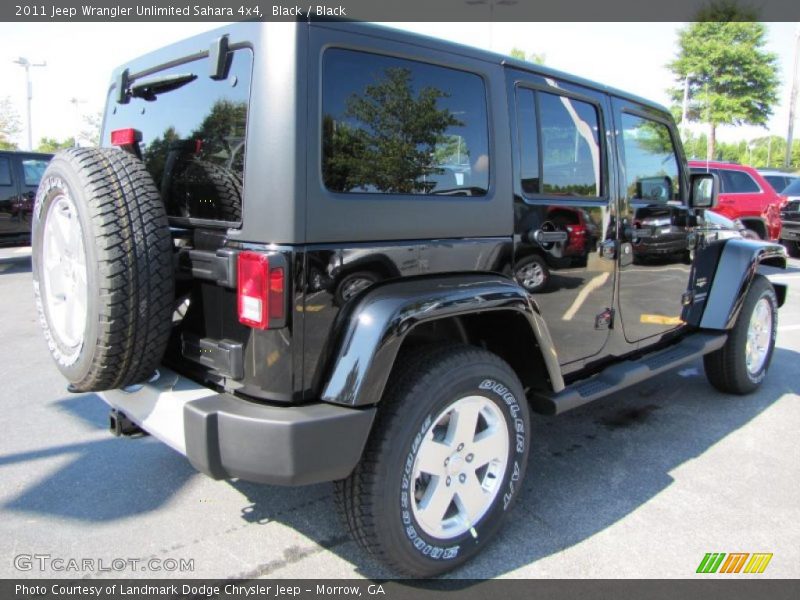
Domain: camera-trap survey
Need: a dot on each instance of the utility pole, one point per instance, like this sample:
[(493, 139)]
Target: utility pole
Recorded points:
[(685, 111), (75, 102), (787, 161), (26, 64), (491, 4)]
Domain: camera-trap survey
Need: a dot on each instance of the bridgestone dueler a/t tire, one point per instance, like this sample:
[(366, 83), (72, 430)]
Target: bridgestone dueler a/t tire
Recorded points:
[(374, 500), (129, 271), (726, 368)]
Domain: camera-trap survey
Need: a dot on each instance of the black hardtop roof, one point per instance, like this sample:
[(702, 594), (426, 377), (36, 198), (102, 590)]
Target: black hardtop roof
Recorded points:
[(198, 44)]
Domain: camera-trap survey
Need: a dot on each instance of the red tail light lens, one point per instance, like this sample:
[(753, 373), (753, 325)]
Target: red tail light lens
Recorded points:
[(125, 137), (252, 297), (260, 294)]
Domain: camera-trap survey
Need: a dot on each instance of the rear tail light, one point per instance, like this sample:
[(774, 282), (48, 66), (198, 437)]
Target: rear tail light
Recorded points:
[(125, 137), (260, 291)]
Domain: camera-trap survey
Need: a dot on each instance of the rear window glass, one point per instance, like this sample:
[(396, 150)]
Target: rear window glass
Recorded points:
[(395, 126), (193, 139), (793, 189), (737, 182), (5, 171), (32, 170)]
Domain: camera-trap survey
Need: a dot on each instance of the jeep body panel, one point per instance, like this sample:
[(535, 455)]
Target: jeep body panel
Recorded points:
[(738, 263), (372, 330)]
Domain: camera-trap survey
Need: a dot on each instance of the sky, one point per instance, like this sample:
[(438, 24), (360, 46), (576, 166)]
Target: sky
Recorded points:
[(629, 56)]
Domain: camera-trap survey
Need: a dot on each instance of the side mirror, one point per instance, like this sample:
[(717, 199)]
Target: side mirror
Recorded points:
[(704, 190)]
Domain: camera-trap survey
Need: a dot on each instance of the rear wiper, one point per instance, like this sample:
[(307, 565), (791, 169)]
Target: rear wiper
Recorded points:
[(150, 88)]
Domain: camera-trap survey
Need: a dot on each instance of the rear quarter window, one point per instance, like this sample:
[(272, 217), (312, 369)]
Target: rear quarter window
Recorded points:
[(396, 126)]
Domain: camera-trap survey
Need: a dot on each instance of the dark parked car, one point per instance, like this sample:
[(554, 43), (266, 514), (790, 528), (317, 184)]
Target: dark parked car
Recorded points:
[(790, 218), (195, 270), (20, 173)]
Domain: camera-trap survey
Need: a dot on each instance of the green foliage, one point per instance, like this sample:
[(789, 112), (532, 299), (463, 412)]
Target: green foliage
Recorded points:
[(390, 140), (764, 152), (9, 125), (732, 79), (52, 145), (533, 57)]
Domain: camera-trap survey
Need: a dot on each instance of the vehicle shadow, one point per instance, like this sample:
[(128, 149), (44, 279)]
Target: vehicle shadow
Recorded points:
[(610, 457), (104, 479), (589, 469)]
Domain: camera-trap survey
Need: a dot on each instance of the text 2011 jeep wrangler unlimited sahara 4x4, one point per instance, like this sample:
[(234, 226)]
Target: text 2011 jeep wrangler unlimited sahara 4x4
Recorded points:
[(305, 259)]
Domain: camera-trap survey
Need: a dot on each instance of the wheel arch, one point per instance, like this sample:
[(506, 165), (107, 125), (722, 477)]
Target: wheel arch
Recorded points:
[(393, 316), (739, 263)]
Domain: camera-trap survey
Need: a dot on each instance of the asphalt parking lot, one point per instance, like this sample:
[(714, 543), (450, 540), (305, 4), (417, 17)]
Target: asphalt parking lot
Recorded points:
[(641, 484)]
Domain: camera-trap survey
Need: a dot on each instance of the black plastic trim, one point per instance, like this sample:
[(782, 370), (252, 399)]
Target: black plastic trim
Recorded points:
[(228, 437), (737, 266), (225, 357), (369, 333), (627, 373)]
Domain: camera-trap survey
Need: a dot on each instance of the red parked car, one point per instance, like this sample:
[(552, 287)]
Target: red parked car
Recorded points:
[(745, 195)]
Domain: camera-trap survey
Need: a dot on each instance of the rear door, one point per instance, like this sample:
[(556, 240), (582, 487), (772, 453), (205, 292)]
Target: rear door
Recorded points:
[(656, 237), (563, 209)]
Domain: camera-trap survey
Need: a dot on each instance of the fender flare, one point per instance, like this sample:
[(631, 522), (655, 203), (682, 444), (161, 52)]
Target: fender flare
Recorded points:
[(738, 265), (371, 329)]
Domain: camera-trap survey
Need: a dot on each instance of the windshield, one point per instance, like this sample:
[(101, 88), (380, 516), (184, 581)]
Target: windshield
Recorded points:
[(793, 189)]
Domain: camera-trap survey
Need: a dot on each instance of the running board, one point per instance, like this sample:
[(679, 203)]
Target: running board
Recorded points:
[(627, 373)]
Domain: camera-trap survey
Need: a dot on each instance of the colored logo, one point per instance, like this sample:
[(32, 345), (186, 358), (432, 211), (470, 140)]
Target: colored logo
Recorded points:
[(735, 562)]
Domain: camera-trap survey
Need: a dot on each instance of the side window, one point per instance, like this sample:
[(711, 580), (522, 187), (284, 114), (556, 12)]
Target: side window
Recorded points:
[(32, 171), (5, 171), (394, 126), (738, 182), (651, 165), (528, 141), (570, 146), (562, 141)]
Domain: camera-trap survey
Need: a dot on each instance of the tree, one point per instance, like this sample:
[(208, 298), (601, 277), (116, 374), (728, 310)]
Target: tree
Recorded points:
[(732, 79), (52, 145), (391, 138), (90, 134), (9, 125), (533, 57)]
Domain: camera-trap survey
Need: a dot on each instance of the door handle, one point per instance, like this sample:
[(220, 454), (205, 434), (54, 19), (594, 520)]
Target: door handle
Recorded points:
[(548, 237)]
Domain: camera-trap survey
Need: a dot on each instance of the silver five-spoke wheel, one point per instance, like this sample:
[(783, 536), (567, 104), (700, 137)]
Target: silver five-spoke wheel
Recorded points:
[(759, 335), (459, 467), (531, 276), (64, 262)]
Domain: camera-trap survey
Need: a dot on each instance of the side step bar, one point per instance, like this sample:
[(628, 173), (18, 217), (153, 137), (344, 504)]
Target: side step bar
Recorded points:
[(627, 373)]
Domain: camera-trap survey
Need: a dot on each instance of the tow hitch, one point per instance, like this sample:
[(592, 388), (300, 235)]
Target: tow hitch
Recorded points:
[(120, 425)]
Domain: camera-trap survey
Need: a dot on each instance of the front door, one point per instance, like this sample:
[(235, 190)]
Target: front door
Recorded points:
[(656, 239)]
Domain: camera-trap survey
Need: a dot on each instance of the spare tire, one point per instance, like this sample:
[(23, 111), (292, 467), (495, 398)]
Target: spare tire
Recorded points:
[(102, 268)]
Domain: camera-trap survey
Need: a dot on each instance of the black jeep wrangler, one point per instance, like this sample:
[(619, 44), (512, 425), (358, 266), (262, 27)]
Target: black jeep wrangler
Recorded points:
[(309, 253)]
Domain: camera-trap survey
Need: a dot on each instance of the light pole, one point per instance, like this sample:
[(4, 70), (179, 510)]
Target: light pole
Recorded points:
[(685, 110), (75, 102), (26, 64), (787, 160)]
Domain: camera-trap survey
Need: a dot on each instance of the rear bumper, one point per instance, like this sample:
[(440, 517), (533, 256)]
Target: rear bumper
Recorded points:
[(227, 437)]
